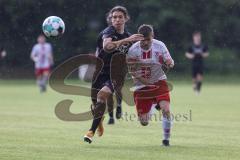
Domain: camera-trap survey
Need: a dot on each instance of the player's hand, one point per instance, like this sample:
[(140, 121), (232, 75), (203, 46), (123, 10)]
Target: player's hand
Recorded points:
[(3, 54), (135, 37), (189, 56), (169, 63)]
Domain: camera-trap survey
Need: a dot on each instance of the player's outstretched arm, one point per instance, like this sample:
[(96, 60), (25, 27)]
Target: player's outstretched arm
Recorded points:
[(109, 45)]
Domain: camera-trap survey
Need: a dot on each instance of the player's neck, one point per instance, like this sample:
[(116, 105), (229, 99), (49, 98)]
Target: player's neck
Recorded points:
[(145, 49), (120, 30), (197, 43)]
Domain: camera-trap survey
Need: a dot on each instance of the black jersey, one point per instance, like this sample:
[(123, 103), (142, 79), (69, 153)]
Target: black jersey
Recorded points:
[(110, 32), (197, 51)]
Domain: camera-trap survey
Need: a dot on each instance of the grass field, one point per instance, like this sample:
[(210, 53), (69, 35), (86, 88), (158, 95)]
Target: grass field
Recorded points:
[(30, 130)]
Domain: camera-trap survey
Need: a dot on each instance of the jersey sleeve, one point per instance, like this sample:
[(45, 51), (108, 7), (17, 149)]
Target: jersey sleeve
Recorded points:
[(108, 33)]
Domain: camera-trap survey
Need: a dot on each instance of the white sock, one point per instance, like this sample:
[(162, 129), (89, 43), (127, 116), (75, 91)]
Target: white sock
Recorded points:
[(44, 81), (39, 82), (152, 111), (166, 124)]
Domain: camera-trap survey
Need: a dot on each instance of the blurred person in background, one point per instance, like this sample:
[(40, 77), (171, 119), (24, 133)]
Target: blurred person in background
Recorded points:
[(43, 58), (196, 53)]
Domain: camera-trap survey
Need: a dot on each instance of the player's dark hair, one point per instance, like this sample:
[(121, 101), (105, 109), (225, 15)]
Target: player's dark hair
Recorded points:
[(196, 32), (114, 9), (41, 35), (145, 29)]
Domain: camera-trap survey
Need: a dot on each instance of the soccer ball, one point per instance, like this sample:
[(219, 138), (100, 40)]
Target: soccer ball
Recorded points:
[(53, 26)]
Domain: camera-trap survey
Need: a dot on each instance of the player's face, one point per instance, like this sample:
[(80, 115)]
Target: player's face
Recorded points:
[(147, 42), (197, 39), (41, 39), (118, 19)]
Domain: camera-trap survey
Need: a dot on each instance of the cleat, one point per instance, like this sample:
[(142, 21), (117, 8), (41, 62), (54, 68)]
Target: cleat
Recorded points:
[(165, 143), (119, 112), (88, 137), (158, 107), (100, 128), (111, 121)]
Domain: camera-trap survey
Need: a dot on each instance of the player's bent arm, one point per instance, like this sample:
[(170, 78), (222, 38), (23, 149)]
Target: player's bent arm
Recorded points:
[(109, 45), (189, 55), (169, 63), (132, 63), (137, 76), (51, 59), (33, 54), (33, 57)]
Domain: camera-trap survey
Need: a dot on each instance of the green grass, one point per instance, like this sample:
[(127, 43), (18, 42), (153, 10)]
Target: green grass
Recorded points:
[(30, 130)]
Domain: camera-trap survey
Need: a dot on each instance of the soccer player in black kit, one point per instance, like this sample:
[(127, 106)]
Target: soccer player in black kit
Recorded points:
[(197, 52), (112, 40)]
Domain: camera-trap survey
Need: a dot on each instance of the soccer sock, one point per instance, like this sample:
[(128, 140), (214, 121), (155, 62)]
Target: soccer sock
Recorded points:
[(98, 113), (119, 99), (44, 81), (39, 82), (199, 85), (166, 124), (110, 104), (152, 111), (110, 114)]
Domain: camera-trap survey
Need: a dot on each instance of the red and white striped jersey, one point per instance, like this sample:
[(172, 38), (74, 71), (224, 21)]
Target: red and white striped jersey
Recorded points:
[(151, 61), (42, 54)]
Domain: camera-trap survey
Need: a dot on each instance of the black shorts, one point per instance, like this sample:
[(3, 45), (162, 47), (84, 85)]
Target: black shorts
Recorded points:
[(101, 81), (197, 70)]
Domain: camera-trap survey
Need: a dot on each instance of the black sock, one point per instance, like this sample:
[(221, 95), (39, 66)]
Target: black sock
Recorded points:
[(119, 100), (110, 114), (110, 104), (199, 85), (98, 113)]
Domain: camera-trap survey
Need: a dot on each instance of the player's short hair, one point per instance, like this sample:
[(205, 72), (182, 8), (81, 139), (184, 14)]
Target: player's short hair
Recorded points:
[(145, 30), (41, 35), (196, 33), (114, 9)]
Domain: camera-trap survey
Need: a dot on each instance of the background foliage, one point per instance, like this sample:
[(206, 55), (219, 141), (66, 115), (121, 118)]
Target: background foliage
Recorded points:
[(173, 20)]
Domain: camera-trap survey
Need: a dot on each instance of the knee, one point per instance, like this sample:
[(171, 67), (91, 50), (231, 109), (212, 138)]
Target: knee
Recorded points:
[(102, 97)]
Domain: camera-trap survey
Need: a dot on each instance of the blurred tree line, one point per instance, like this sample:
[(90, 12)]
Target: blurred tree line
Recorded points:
[(173, 21)]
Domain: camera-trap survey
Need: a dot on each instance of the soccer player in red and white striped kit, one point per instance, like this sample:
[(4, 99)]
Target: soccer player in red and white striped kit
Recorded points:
[(146, 59)]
